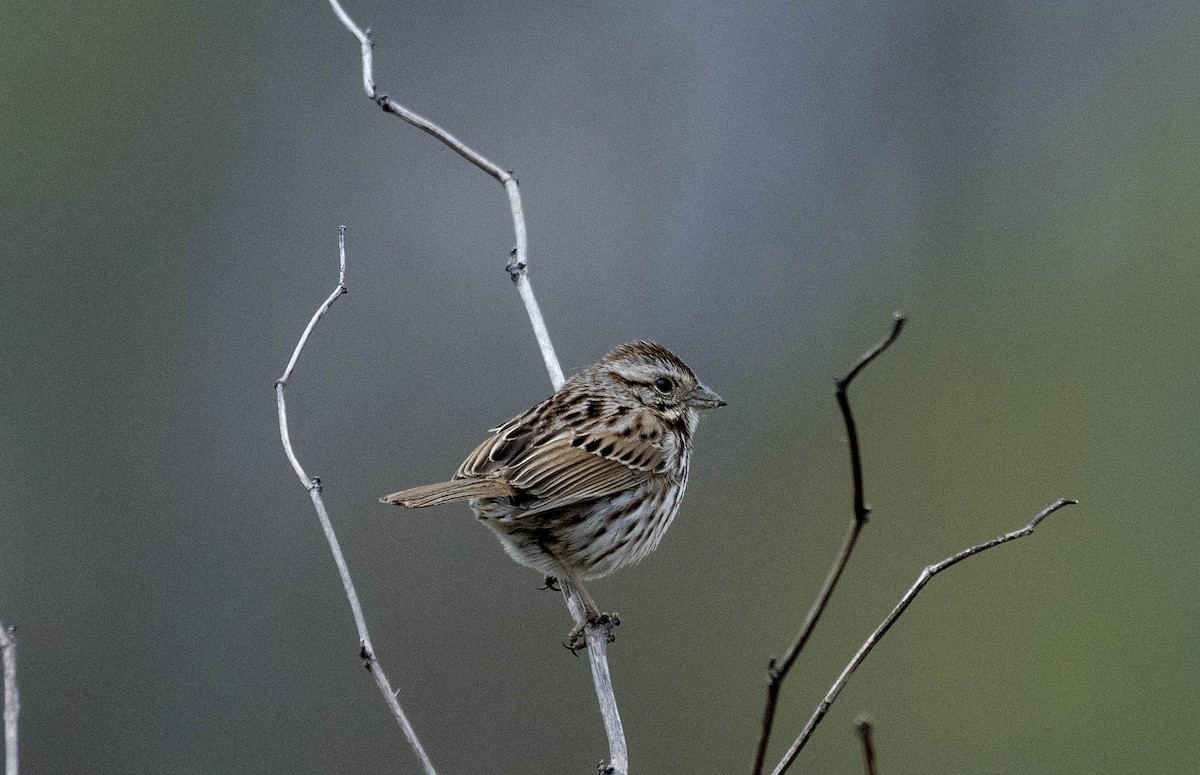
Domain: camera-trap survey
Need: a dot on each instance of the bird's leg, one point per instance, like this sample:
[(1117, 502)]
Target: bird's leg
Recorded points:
[(592, 616)]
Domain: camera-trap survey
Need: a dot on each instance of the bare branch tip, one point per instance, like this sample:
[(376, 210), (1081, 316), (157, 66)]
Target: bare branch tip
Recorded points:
[(842, 383), (1053, 507)]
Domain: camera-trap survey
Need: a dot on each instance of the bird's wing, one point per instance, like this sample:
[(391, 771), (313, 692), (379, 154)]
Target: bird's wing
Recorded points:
[(563, 467)]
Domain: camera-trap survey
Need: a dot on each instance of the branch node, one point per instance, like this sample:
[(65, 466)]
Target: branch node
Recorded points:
[(605, 769), (514, 266), (315, 485), (607, 625)]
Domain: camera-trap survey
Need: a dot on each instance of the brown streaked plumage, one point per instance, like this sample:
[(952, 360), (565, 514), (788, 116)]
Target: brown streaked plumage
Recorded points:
[(587, 481)]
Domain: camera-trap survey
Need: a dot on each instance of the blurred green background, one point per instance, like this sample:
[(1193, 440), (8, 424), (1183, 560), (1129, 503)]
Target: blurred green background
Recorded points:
[(758, 186)]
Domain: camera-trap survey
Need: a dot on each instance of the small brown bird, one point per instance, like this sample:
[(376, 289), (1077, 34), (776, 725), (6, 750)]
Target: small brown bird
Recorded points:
[(589, 480)]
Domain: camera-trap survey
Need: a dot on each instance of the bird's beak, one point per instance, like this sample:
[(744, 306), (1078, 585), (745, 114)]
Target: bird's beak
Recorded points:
[(703, 398)]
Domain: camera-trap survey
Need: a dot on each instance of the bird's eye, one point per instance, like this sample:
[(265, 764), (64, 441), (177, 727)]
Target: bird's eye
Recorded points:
[(664, 385)]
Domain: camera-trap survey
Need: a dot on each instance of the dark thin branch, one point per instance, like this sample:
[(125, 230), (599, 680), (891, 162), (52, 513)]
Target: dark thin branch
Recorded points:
[(926, 574), (12, 700), (780, 668), (864, 728), (861, 510), (313, 485)]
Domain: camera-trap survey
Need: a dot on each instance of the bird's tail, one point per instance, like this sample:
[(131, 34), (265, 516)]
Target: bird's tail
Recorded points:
[(448, 492)]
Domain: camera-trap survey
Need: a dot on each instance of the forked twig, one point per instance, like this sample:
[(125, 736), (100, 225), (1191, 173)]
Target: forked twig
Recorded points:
[(12, 700), (518, 263), (517, 267), (313, 485), (926, 574), (779, 669)]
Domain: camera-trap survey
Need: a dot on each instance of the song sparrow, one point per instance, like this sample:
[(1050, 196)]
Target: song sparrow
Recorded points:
[(587, 481)]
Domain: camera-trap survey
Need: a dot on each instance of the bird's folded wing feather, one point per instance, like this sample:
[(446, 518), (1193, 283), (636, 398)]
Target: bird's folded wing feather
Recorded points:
[(569, 467), (448, 492)]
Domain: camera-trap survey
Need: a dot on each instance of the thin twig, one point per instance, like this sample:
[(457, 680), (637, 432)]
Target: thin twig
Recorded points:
[(518, 264), (926, 574), (313, 485), (864, 727), (517, 267), (12, 699), (779, 669), (598, 637)]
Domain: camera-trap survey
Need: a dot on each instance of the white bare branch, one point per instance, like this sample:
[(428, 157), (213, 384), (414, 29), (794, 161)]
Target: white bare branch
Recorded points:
[(12, 700), (597, 636), (366, 650), (518, 265)]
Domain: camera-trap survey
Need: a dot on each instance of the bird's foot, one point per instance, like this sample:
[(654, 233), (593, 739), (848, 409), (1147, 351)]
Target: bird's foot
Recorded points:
[(550, 582), (577, 637)]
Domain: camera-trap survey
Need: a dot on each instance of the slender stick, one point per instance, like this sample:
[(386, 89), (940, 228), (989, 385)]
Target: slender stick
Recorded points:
[(598, 637), (926, 574), (517, 267), (779, 669), (864, 727), (313, 485), (12, 700)]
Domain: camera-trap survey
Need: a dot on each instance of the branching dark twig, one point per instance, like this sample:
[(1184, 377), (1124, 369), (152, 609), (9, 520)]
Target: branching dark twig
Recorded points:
[(12, 700), (926, 574), (517, 267), (313, 485), (864, 728), (780, 668)]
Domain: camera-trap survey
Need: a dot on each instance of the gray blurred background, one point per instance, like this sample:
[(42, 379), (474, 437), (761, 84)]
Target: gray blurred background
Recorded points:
[(757, 186)]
